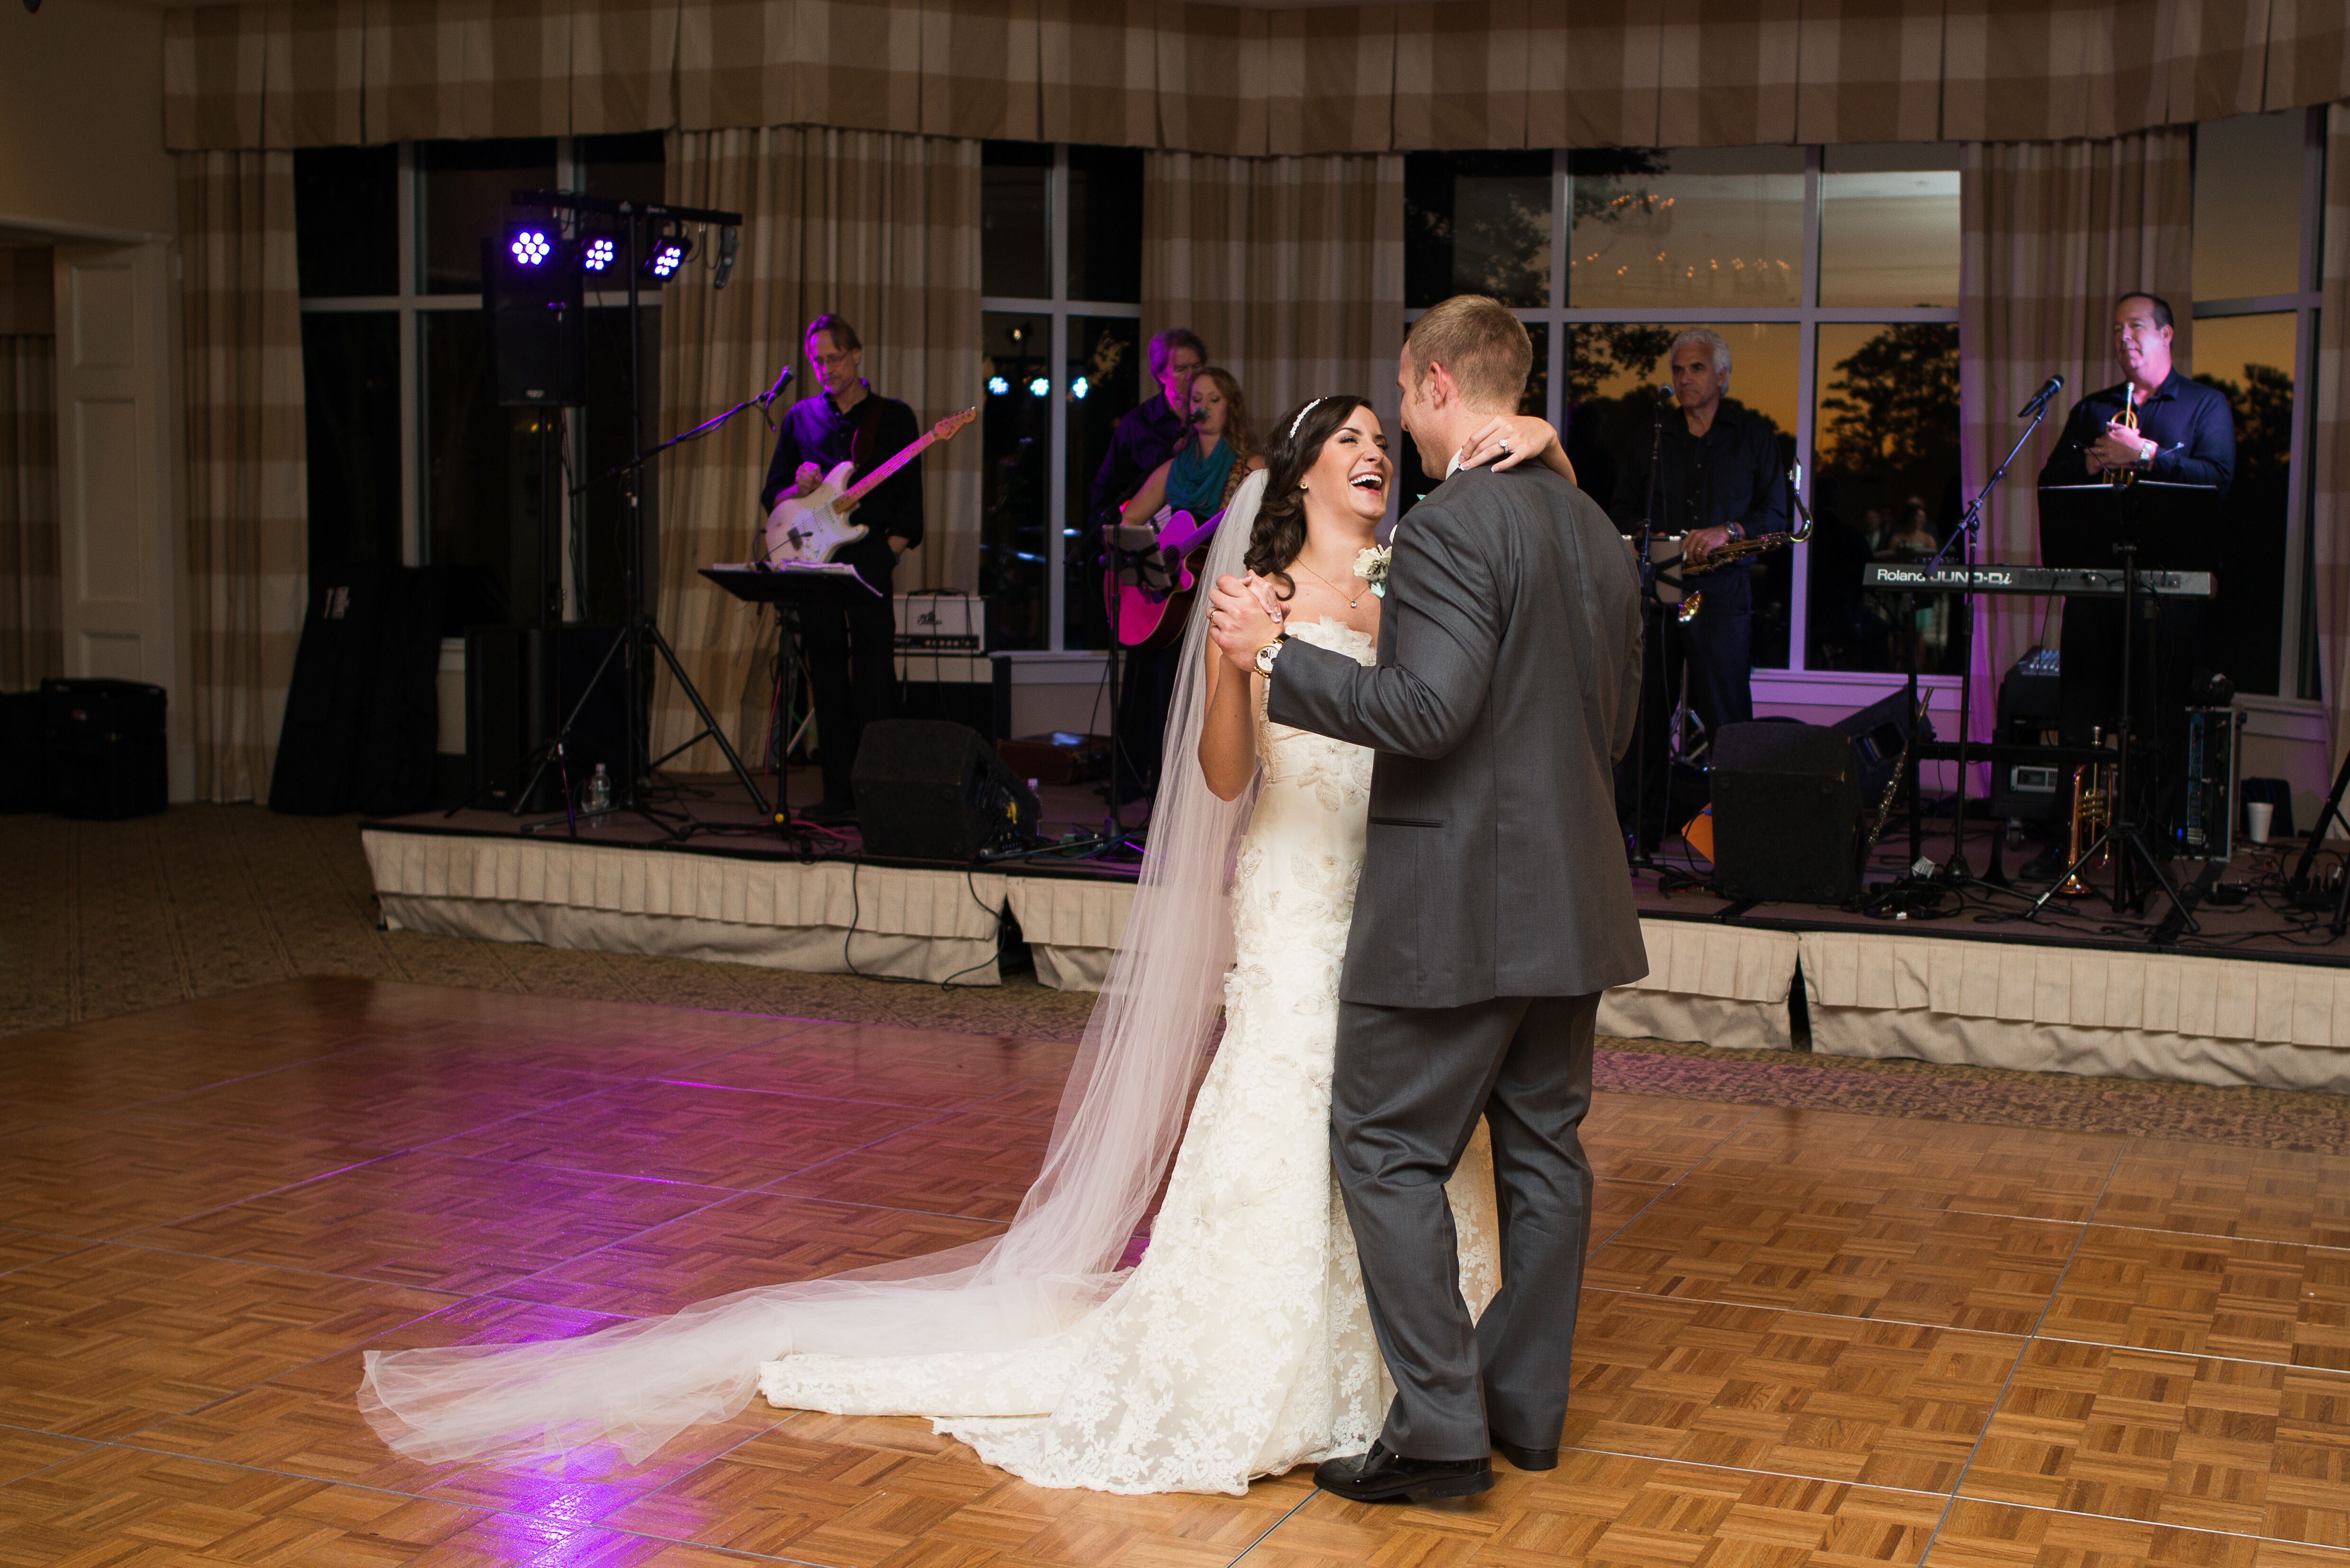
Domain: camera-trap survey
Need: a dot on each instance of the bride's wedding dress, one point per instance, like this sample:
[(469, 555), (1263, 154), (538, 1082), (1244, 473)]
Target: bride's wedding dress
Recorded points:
[(1240, 1345)]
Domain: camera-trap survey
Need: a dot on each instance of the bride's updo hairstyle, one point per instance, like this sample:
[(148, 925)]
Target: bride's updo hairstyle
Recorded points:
[(1279, 535)]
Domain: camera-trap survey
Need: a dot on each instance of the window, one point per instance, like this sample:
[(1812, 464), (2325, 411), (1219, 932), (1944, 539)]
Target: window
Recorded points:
[(1833, 274), (412, 460), (1061, 271), (2254, 337)]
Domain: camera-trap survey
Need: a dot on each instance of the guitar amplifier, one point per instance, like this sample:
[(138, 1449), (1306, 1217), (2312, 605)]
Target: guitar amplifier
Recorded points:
[(942, 622)]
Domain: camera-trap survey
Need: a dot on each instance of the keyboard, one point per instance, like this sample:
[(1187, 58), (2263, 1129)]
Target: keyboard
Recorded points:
[(2068, 582)]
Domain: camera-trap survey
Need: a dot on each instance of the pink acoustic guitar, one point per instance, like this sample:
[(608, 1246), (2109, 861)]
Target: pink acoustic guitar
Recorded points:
[(1148, 597)]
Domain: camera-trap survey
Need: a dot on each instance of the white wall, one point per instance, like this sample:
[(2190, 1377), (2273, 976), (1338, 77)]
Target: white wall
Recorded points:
[(81, 121)]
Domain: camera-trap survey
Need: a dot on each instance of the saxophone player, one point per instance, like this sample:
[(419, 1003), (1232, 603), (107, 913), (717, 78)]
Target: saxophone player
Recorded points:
[(1718, 479)]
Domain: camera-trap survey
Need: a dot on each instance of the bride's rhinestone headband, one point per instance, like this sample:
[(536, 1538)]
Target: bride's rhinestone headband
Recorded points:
[(1301, 419)]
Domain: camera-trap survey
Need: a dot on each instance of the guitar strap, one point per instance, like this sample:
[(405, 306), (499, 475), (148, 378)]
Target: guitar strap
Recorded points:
[(867, 436)]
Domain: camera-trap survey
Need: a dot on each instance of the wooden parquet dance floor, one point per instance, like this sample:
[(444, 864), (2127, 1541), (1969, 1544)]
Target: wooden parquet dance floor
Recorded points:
[(1808, 1337)]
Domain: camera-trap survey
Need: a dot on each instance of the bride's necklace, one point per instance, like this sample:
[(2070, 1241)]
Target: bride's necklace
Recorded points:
[(1333, 587)]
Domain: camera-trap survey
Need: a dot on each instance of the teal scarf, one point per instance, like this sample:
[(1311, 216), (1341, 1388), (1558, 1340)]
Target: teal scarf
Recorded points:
[(1196, 484)]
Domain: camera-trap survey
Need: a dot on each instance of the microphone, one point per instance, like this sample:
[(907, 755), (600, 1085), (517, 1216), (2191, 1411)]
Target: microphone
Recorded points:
[(2048, 389), (767, 399)]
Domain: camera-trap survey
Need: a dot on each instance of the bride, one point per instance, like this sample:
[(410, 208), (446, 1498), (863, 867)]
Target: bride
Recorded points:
[(1240, 1345)]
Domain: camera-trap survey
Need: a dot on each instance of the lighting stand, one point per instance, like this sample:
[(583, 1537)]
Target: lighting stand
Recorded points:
[(640, 638)]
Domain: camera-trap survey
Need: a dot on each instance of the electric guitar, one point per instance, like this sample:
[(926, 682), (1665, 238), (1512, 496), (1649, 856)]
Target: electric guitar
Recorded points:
[(1148, 595), (815, 526)]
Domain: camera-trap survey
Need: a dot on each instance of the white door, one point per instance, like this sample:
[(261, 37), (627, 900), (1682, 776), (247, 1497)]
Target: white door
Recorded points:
[(118, 506)]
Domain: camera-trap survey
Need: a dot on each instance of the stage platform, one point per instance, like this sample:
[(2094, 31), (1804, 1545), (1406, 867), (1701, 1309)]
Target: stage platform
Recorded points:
[(2261, 996)]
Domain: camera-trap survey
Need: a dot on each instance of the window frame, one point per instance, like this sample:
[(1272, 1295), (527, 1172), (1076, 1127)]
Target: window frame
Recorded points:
[(2297, 656), (1808, 314), (1058, 308)]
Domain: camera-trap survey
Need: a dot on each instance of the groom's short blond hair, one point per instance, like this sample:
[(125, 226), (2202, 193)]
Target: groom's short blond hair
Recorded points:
[(1482, 343)]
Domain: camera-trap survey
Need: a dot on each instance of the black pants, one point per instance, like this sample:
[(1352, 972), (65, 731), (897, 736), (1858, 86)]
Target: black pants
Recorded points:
[(1409, 1087), (1146, 686), (852, 656), (2170, 650), (1715, 652)]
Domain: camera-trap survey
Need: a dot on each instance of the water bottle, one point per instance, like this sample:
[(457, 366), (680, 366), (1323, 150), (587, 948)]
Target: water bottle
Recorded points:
[(600, 789)]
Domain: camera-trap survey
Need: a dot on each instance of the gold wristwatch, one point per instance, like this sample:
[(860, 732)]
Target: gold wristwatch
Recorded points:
[(1265, 655)]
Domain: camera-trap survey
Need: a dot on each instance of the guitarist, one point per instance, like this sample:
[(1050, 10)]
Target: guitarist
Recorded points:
[(852, 653), (1147, 435)]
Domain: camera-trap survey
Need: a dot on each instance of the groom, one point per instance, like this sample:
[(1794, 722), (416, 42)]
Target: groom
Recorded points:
[(1493, 908)]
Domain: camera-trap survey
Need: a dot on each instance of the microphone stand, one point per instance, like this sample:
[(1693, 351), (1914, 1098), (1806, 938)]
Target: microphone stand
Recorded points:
[(1652, 628), (1969, 522)]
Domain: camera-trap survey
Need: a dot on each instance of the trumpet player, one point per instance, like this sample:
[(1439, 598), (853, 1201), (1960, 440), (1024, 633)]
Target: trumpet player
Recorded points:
[(2157, 424), (1717, 478)]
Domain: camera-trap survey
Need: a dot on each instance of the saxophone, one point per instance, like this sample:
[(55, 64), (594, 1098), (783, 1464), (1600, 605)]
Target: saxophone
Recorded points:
[(1739, 550)]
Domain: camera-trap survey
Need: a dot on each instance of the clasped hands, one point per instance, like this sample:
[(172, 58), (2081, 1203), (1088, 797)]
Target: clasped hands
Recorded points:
[(1243, 615), (2119, 447)]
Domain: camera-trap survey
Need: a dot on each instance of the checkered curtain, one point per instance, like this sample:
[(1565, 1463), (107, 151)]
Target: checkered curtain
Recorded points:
[(2330, 519), (1247, 81), (1291, 268), (32, 647), (880, 229), (2054, 232), (247, 503)]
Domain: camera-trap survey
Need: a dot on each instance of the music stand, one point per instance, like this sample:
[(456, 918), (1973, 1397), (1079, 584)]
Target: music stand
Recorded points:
[(2176, 519)]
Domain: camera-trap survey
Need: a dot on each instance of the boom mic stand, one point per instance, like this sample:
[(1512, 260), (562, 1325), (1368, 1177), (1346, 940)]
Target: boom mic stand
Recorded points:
[(1969, 523)]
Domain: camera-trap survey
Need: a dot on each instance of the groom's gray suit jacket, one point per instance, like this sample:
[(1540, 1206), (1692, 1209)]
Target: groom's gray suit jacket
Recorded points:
[(1507, 684)]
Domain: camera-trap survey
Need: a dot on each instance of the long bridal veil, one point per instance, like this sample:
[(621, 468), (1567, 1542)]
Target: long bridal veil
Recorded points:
[(638, 1385)]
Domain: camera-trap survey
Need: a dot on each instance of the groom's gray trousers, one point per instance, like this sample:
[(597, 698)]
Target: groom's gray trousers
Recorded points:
[(1409, 1086)]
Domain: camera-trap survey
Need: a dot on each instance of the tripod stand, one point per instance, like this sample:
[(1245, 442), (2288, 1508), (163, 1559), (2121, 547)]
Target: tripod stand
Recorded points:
[(2121, 834), (2330, 814)]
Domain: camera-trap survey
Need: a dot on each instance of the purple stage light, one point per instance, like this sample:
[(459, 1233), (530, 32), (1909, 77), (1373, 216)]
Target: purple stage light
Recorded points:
[(531, 247), (599, 253), (665, 257)]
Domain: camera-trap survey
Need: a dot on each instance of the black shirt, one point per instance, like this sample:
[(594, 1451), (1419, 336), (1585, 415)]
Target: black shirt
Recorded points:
[(814, 431), (1147, 436), (1730, 474), (2193, 422)]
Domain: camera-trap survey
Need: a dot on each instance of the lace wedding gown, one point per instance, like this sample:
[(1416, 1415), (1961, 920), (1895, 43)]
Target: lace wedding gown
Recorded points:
[(1240, 1345)]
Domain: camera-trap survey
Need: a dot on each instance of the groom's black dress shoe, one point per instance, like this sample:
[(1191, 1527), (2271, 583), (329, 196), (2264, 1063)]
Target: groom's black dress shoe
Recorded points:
[(1384, 1475), (1524, 1457)]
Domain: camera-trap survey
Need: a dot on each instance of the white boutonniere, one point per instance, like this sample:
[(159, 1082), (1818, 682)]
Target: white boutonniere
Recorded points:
[(1371, 566)]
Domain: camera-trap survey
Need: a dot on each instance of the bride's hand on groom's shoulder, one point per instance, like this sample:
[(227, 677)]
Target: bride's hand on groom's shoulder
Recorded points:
[(1242, 617), (1506, 440)]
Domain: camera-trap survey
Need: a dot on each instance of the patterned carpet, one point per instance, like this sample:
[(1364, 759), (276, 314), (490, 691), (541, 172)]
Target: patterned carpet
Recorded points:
[(103, 919)]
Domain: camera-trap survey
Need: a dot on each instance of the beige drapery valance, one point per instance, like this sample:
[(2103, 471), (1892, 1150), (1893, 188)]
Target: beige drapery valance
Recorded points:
[(1461, 74)]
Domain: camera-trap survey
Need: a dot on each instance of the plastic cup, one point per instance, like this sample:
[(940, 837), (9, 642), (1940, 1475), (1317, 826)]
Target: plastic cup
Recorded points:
[(2258, 815)]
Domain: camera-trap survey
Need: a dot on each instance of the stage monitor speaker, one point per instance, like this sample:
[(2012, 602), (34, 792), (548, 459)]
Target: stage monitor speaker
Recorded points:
[(537, 332), (930, 790), (362, 710), (520, 684), (1876, 732), (106, 748), (1786, 814)]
